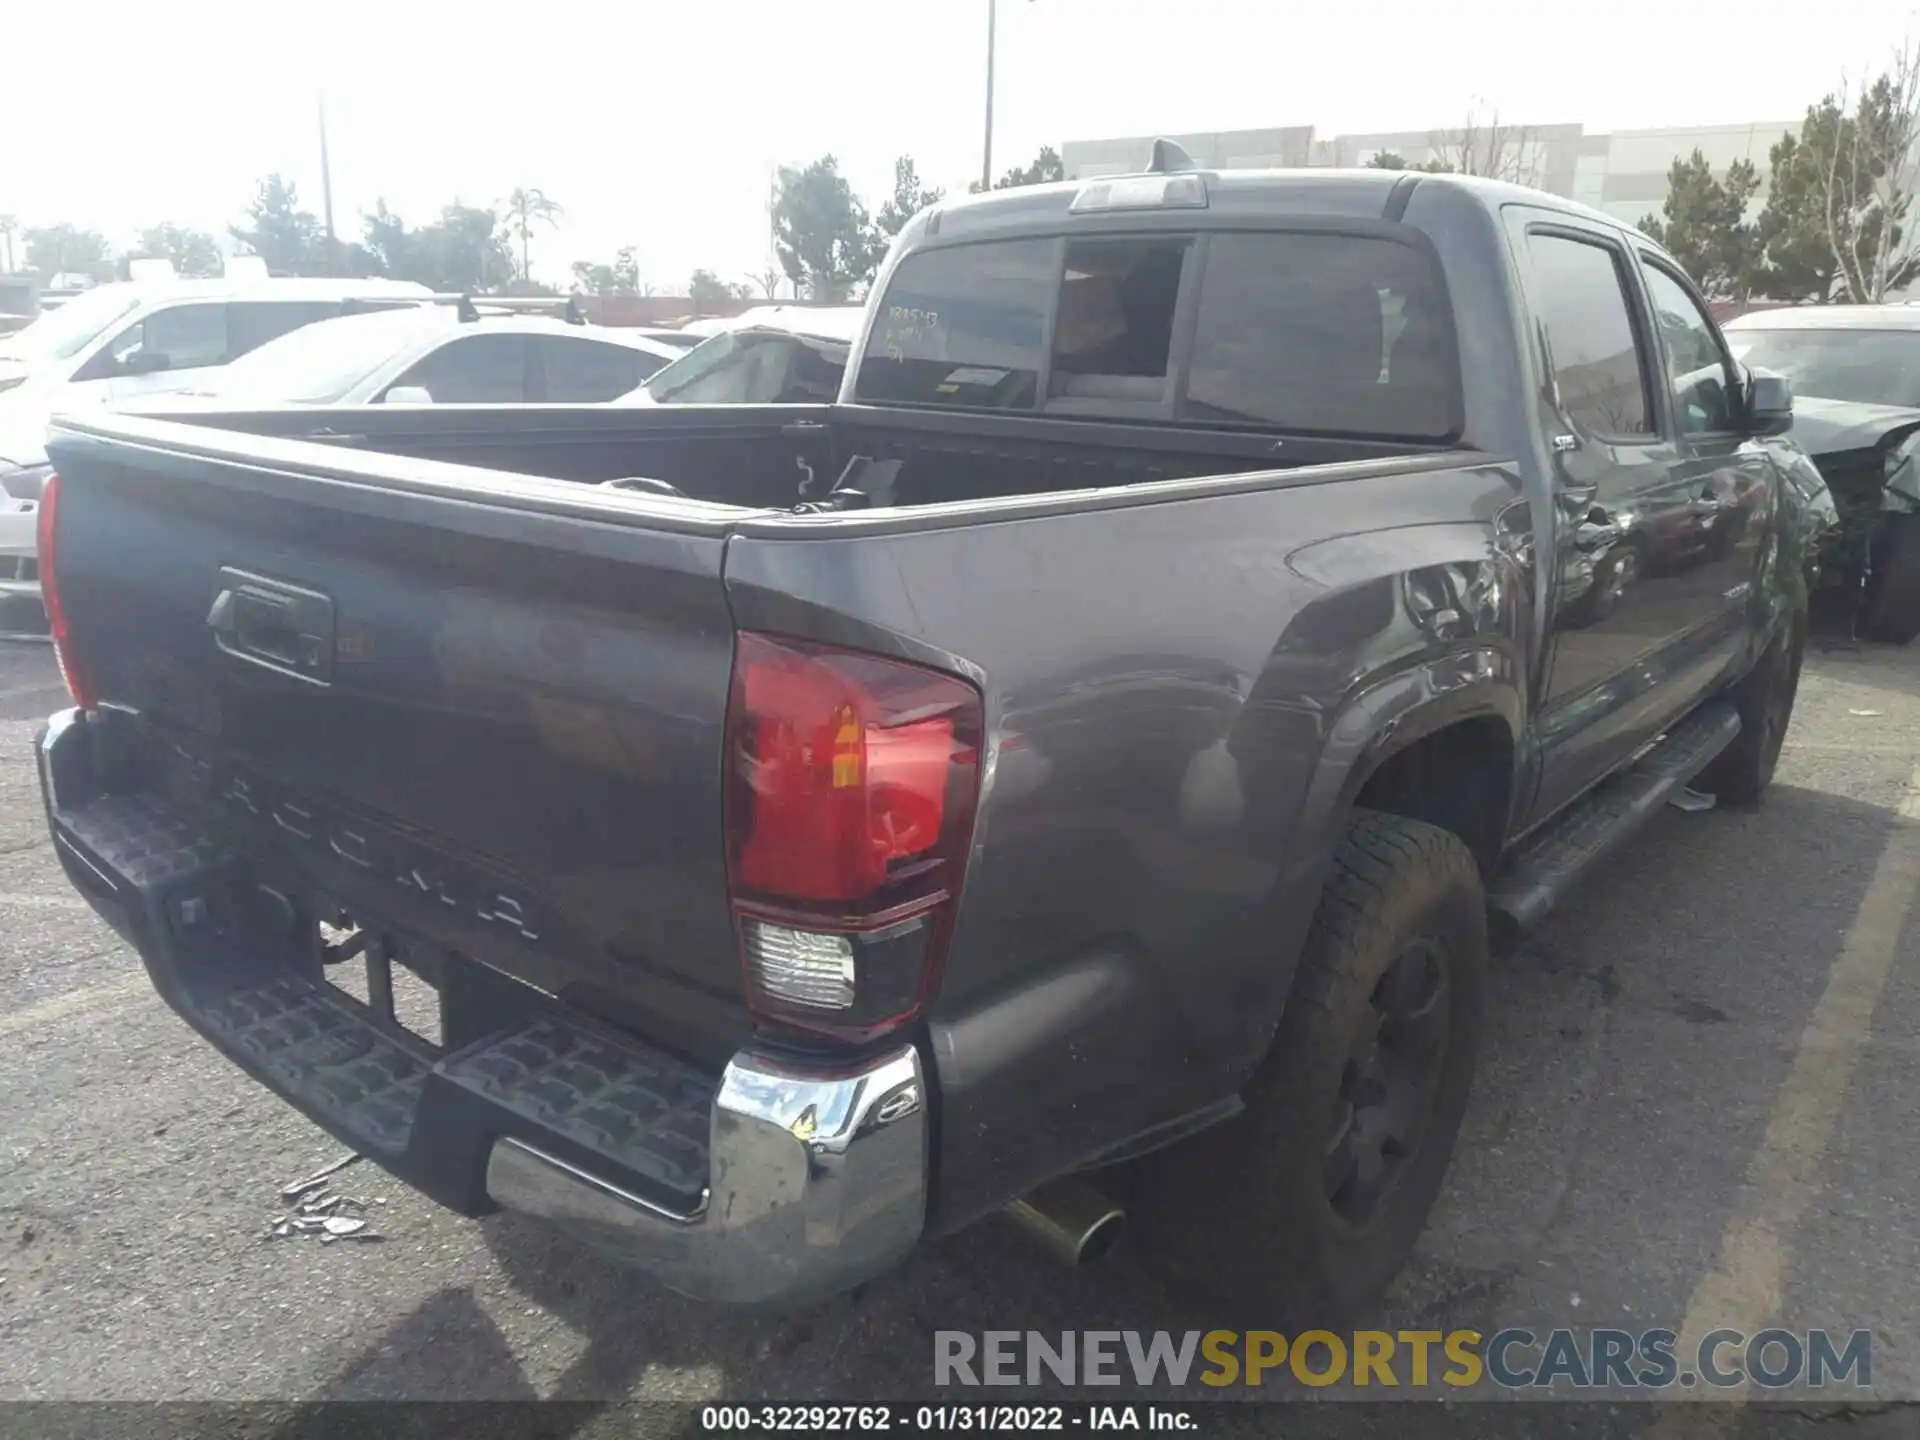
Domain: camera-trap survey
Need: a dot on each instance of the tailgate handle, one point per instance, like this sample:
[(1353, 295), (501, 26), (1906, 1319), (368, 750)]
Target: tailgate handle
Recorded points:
[(273, 624)]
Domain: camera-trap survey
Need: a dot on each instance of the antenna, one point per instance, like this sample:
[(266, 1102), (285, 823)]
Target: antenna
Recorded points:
[(1168, 158)]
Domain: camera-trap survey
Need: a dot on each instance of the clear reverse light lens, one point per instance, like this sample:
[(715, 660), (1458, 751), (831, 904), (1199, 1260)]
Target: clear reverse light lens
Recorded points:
[(801, 967)]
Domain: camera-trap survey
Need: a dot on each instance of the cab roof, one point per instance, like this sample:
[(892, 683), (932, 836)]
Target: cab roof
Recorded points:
[(1236, 196)]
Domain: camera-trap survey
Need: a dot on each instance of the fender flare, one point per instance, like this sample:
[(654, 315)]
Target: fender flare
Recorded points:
[(1397, 711)]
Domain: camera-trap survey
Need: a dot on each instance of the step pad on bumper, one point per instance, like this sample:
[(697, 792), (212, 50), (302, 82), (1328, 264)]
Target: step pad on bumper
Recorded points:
[(646, 1112), (142, 841), (326, 1056)]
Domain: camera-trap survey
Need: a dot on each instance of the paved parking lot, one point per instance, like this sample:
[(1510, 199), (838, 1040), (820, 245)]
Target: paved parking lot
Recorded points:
[(1697, 1097)]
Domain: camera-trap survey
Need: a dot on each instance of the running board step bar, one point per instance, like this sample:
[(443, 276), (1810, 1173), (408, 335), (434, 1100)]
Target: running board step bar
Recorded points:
[(1547, 864)]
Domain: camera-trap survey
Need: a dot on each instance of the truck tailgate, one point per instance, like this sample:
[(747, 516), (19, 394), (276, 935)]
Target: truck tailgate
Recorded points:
[(359, 658)]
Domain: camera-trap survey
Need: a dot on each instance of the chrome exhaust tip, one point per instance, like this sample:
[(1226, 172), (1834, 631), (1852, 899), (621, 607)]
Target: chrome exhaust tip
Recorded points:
[(1071, 1220)]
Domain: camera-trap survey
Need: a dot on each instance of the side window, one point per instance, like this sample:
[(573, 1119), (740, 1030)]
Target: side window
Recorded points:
[(181, 337), (1115, 320), (189, 336), (254, 322), (750, 371), (586, 372), (1697, 366), (1581, 298), (475, 370), (814, 375)]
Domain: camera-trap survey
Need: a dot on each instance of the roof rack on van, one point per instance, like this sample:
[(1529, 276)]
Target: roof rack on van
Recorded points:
[(478, 307), (471, 308)]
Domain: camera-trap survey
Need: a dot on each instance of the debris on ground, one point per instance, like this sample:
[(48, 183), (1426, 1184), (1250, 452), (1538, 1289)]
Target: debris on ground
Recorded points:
[(319, 1177), (1865, 714), (1690, 800), (318, 1209)]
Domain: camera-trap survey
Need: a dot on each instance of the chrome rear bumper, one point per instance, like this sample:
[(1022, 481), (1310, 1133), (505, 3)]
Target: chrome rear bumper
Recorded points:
[(817, 1183)]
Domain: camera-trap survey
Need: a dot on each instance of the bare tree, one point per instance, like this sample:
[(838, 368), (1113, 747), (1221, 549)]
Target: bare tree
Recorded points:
[(1489, 148), (1866, 185), (769, 281)]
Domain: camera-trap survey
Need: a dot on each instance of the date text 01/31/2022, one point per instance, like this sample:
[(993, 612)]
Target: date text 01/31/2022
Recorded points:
[(980, 1419)]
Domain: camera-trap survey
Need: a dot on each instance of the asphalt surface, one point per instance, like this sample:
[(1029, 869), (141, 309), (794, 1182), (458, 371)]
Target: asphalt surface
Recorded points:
[(1696, 1098)]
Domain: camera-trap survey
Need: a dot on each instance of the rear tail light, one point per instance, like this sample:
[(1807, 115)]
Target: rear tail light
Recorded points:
[(58, 625), (851, 786)]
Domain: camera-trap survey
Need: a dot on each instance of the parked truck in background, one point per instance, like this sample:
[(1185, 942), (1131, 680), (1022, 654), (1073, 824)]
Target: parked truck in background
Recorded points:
[(1107, 734)]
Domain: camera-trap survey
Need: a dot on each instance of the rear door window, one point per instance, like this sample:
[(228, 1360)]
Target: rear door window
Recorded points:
[(252, 323), (476, 370), (1581, 299), (963, 326), (586, 372), (1338, 333)]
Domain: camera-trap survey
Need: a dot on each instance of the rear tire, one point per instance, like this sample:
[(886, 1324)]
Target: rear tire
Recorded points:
[(1890, 606), (1307, 1205), (1740, 774)]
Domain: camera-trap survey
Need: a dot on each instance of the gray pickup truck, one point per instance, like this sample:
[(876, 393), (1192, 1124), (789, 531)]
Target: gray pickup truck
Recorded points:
[(1090, 758)]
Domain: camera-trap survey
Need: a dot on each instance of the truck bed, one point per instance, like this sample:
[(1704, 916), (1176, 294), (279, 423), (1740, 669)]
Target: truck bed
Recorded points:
[(752, 456), (528, 687)]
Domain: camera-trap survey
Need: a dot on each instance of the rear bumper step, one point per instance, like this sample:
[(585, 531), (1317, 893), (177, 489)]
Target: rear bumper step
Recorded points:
[(1549, 863), (768, 1184)]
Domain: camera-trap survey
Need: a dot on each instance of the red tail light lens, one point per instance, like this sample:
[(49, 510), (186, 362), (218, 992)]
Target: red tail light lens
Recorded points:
[(852, 780), (47, 534)]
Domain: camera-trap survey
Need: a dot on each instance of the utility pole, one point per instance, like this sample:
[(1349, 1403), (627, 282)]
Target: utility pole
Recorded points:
[(326, 192), (986, 156)]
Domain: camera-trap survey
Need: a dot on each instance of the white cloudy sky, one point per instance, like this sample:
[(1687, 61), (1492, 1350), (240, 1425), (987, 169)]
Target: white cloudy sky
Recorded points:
[(658, 125)]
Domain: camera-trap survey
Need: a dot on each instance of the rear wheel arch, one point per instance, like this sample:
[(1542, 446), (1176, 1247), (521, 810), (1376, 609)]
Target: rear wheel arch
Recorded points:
[(1451, 762)]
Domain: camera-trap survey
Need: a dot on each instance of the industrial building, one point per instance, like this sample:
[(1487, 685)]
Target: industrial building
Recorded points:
[(1623, 172)]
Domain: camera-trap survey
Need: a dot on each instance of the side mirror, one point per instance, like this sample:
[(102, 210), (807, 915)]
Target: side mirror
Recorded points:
[(409, 395), (1769, 403), (145, 362)]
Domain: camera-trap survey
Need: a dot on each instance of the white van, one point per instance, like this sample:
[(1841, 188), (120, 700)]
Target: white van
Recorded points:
[(118, 342), (153, 335)]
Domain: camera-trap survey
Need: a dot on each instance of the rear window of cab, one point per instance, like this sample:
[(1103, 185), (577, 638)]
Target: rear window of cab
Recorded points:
[(1309, 332)]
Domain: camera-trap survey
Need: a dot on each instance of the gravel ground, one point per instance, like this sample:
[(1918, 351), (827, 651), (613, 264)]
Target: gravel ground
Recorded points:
[(1647, 1134)]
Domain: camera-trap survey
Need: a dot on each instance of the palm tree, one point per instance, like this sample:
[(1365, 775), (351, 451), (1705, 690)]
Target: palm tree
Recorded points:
[(525, 209)]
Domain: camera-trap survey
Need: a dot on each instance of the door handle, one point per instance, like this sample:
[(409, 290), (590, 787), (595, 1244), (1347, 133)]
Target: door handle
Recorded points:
[(269, 623)]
